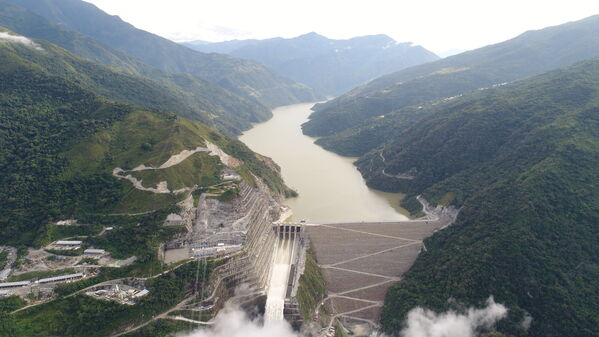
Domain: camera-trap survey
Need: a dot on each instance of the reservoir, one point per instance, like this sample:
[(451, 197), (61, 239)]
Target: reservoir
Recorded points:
[(330, 187)]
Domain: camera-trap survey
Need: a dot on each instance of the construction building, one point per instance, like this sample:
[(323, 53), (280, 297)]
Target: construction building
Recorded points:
[(61, 278), (92, 251), (14, 284)]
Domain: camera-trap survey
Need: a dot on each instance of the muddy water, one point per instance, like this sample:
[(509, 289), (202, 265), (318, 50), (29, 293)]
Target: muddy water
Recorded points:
[(330, 187)]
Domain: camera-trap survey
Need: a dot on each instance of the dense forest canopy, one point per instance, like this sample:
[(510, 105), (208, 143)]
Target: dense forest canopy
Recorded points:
[(522, 162)]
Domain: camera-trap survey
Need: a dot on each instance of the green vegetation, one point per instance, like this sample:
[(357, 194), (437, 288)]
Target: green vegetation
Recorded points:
[(312, 287), (352, 125), (522, 162), (202, 316), (7, 305), (64, 252), (242, 80), (81, 315), (54, 232), (10, 304), (61, 142), (35, 275), (199, 169), (339, 331), (162, 328), (255, 164), (42, 116), (3, 258), (139, 236), (130, 80), (229, 195)]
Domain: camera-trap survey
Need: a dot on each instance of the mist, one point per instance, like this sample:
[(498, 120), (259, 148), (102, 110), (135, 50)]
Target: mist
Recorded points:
[(19, 39), (233, 322), (426, 323)]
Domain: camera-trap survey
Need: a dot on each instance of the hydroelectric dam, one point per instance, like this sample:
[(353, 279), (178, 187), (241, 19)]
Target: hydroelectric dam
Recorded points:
[(288, 258), (265, 256)]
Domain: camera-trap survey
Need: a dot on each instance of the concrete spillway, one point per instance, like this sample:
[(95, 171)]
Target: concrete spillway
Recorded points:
[(286, 251)]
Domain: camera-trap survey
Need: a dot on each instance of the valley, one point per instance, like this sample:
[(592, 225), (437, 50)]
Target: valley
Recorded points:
[(156, 184), (330, 188)]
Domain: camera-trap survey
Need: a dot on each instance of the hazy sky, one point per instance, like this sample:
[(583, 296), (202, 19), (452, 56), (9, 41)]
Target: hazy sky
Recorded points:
[(438, 25)]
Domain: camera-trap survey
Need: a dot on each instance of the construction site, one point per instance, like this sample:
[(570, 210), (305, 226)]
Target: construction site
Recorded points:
[(127, 292)]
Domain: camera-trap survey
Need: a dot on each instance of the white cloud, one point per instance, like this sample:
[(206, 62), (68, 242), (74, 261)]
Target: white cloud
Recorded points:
[(5, 36), (233, 322), (426, 323)]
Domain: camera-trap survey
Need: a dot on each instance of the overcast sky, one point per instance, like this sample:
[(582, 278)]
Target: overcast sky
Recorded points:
[(438, 25)]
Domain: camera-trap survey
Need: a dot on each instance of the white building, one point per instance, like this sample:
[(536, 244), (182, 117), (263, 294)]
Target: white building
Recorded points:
[(68, 243), (14, 284), (92, 251), (61, 278)]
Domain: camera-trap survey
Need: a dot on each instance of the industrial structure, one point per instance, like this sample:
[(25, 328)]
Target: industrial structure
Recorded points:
[(6, 285), (127, 292), (62, 278)]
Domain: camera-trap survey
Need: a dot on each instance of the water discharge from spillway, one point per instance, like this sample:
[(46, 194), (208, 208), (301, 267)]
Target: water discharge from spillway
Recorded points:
[(275, 302)]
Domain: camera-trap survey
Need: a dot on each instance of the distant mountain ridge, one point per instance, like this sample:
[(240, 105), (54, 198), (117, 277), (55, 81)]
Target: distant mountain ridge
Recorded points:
[(328, 65), (248, 79), (356, 112)]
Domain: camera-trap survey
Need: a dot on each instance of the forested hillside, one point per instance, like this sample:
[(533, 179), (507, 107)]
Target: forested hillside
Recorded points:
[(248, 79), (190, 96), (330, 66), (522, 163), (354, 117), (61, 139)]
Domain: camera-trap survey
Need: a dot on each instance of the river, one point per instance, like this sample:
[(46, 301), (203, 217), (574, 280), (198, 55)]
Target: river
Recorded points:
[(330, 187)]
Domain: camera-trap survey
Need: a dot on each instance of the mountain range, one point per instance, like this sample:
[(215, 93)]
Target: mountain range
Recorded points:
[(353, 124), (250, 80), (330, 66)]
